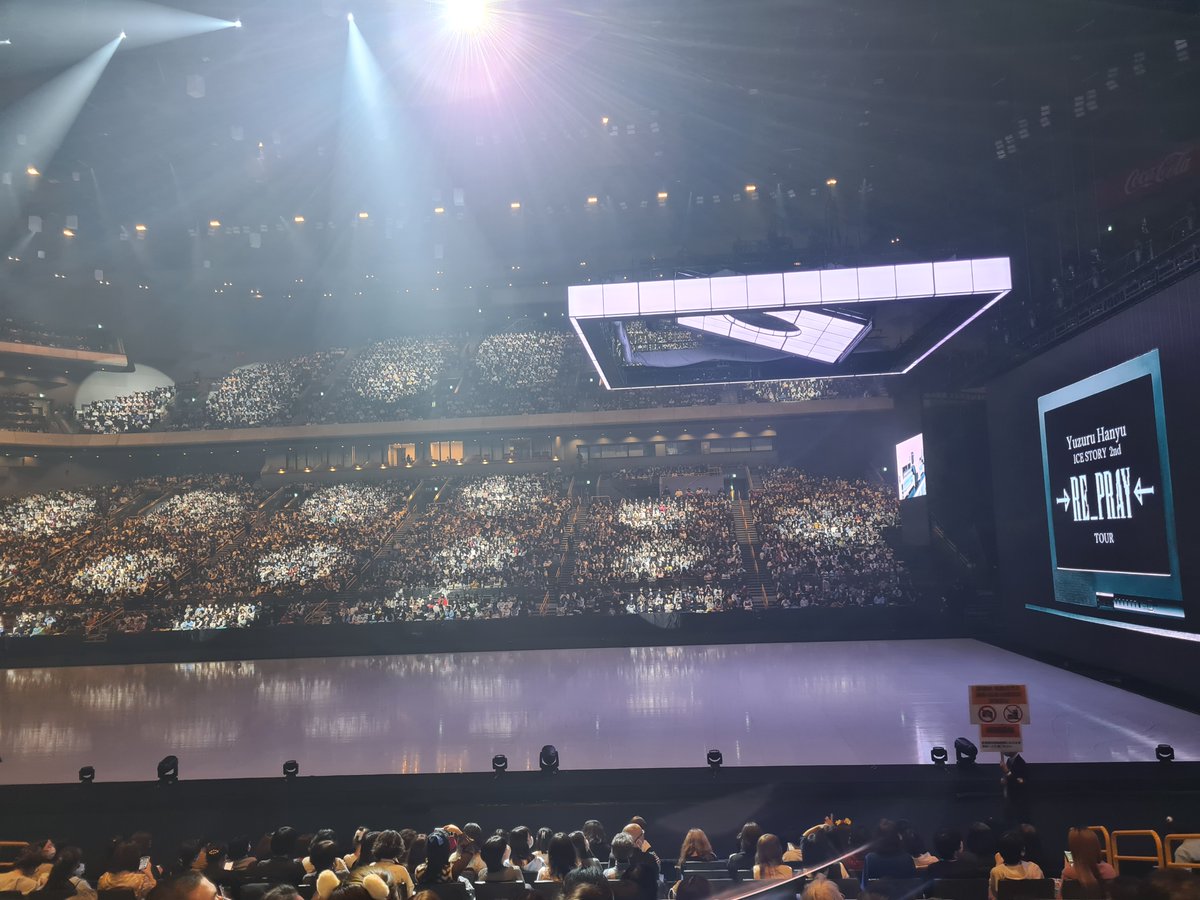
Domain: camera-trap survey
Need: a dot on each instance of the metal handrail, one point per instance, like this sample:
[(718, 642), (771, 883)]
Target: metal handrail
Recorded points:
[(1169, 854), (1117, 857)]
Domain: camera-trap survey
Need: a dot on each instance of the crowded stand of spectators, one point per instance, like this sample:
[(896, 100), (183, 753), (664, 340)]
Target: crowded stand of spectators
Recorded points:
[(512, 373), (316, 544), (135, 556), (659, 539), (813, 389), (516, 373), (830, 861), (265, 393), (823, 541), (26, 332), (649, 335), (654, 398), (20, 412), (494, 531), (393, 379), (39, 526), (139, 411), (209, 552)]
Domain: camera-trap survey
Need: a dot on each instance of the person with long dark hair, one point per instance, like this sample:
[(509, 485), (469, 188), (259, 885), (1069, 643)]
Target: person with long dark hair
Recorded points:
[(66, 876), (743, 859), (888, 858), (560, 858), (23, 877), (437, 868)]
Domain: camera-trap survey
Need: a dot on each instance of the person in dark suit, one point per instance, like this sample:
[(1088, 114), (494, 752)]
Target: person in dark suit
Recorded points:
[(281, 866), (1014, 776)]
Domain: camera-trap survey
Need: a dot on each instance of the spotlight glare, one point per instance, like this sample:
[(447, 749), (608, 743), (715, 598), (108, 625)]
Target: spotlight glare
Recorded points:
[(516, 204), (299, 220), (67, 232), (237, 23), (831, 182), (364, 215), (662, 195), (122, 35), (438, 210), (350, 17), (751, 188), (467, 16), (214, 223), (32, 170), (593, 200), (139, 228)]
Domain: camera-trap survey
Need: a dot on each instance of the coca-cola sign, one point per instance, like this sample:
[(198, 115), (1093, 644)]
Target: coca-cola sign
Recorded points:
[(1173, 165)]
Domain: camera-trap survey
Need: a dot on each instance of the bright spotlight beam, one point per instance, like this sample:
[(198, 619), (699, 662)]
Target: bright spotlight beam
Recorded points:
[(77, 28), (47, 114), (467, 16)]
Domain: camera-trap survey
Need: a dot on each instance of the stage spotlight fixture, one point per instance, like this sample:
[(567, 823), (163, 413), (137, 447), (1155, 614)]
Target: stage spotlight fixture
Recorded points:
[(87, 774), (714, 759), (965, 751), (499, 763), (1164, 753), (291, 769), (467, 15), (548, 759), (168, 770), (939, 755), (831, 182)]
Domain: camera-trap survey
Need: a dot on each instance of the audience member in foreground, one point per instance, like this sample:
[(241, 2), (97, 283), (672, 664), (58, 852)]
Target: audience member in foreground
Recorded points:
[(1013, 865), (768, 860)]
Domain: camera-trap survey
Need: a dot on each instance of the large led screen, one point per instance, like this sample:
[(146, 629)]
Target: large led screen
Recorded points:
[(1108, 492), (910, 467)]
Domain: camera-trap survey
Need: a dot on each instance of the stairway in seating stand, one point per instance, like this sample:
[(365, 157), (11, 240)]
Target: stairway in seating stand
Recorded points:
[(756, 579)]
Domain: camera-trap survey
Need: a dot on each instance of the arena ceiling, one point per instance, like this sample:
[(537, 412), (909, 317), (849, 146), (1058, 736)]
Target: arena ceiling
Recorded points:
[(665, 112)]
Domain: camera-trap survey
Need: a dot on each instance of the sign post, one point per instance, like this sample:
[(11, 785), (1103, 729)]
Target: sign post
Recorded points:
[(1006, 704), (1000, 738)]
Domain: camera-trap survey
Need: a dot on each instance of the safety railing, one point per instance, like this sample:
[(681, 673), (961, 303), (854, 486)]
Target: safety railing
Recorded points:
[(1105, 841), (1116, 856), (1169, 843)]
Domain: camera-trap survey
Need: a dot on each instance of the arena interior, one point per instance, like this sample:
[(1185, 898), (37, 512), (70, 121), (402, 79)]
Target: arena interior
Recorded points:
[(468, 449)]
